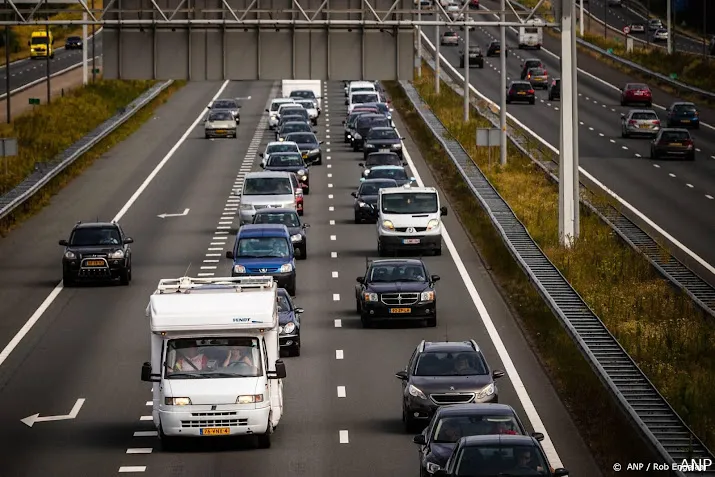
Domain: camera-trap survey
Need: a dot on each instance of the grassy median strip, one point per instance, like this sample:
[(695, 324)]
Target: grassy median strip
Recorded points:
[(47, 130), (669, 338)]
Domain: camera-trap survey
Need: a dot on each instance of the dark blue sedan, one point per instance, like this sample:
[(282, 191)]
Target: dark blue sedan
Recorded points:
[(289, 318)]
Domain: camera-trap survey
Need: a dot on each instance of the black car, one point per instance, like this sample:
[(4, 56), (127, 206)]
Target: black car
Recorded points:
[(672, 142), (554, 89), (363, 124), (366, 198), (288, 126), (520, 91), (451, 423), (291, 220), (498, 455), (289, 324), (295, 111), (442, 373), (396, 290), (97, 251), (528, 64), (683, 115), (382, 139), (290, 118), (476, 57), (375, 159), (351, 121), (494, 49), (290, 162), (73, 43), (309, 146)]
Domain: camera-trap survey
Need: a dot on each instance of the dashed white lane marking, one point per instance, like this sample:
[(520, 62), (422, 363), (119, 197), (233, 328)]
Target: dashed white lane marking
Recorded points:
[(689, 185), (612, 141), (222, 232), (637, 155), (697, 150), (344, 439), (625, 148), (327, 150), (671, 174), (329, 166), (330, 196), (335, 274), (341, 392), (333, 237), (211, 261), (214, 249), (338, 323), (709, 196), (132, 468), (332, 222), (328, 157), (329, 175), (336, 296), (590, 128), (150, 403), (146, 418), (219, 237), (339, 354), (602, 135), (146, 433), (331, 208), (204, 274), (140, 450), (330, 186), (209, 267), (333, 254)]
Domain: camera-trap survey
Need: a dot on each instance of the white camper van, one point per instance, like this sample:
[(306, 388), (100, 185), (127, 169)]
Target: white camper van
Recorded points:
[(224, 331), (531, 34)]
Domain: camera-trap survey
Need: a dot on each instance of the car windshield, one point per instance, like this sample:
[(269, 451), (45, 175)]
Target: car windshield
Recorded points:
[(675, 136), (285, 160), (295, 127), (39, 40), (282, 147), (74, 38), (291, 118), (383, 134), (398, 174), (289, 219), (302, 138), (364, 98), (450, 429), (445, 363), (382, 160), (283, 304), (221, 116), (684, 108), (89, 236), (224, 104), (490, 460), (267, 186), (644, 116), (278, 104), (371, 188), (213, 358), (302, 93), (397, 272), (409, 202), (263, 247)]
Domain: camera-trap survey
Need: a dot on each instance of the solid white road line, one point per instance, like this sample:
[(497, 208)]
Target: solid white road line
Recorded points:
[(140, 450), (146, 418), (336, 296), (53, 295), (335, 274), (146, 433)]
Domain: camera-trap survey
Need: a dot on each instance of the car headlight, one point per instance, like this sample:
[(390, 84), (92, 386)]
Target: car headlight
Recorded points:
[(117, 254), (177, 401), (273, 117), (397, 146), (304, 178), (363, 204), (209, 125), (387, 224), (370, 146), (289, 328), (296, 238), (427, 296), (314, 151), (246, 207), (366, 172), (286, 267), (249, 398), (301, 172), (370, 296), (416, 392), (487, 391), (239, 269), (70, 255), (281, 139), (349, 136), (432, 224)]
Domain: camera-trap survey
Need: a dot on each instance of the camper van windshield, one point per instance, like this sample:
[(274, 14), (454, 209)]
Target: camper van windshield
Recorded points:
[(410, 203), (213, 358), (39, 40), (531, 31)]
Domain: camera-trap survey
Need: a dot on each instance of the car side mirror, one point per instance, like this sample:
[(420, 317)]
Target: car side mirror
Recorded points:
[(128, 240), (392, 110), (267, 110), (280, 372), (404, 163), (229, 254), (64, 243), (343, 123), (315, 131), (623, 115), (305, 226), (402, 139), (260, 155), (354, 194), (443, 210), (360, 279), (146, 373), (497, 373), (434, 278), (401, 375), (560, 472), (361, 164), (208, 107), (262, 165), (538, 436), (298, 310), (419, 439)]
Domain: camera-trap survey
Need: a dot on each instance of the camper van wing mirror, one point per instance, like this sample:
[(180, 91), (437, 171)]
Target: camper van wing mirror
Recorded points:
[(280, 370), (443, 210), (229, 254), (146, 373)]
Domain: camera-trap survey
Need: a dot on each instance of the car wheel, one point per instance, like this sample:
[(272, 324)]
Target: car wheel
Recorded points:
[(380, 250), (168, 443), (649, 105), (357, 219), (409, 422), (67, 280), (461, 64), (291, 290), (124, 277), (206, 136), (264, 440), (431, 322), (365, 320), (532, 101), (345, 138), (481, 65), (691, 156), (300, 213), (624, 134), (508, 101), (358, 306), (319, 162), (306, 191), (438, 251), (623, 103)]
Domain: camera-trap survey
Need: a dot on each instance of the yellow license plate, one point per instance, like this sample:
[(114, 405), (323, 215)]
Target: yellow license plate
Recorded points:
[(676, 143), (644, 126), (220, 131), (686, 120), (522, 92), (305, 155), (215, 431), (95, 263), (400, 310), (538, 79)]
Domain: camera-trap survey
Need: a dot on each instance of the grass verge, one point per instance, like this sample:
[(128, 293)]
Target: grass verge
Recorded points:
[(673, 343), (50, 129)]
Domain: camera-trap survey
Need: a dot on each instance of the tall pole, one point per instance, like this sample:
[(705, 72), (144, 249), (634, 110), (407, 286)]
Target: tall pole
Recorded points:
[(466, 73), (605, 19), (566, 150), (7, 75), (580, 19), (502, 77), (94, 42), (574, 128), (436, 54), (669, 14), (47, 56), (705, 28), (85, 78), (419, 39)]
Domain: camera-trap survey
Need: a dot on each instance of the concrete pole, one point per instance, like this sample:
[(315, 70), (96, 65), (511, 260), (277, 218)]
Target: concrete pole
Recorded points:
[(566, 150), (669, 15), (502, 98), (582, 28), (436, 54), (466, 73), (575, 128), (419, 39), (85, 44)]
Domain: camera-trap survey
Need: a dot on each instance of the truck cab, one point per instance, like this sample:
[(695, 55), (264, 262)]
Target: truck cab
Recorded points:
[(265, 249), (225, 331), (41, 44), (409, 218)]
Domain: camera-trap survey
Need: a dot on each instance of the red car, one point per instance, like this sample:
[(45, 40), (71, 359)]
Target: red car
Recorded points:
[(299, 201), (636, 93), (474, 4)]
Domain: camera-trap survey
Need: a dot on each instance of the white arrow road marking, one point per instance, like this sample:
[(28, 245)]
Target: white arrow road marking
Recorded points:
[(31, 420), (185, 212)]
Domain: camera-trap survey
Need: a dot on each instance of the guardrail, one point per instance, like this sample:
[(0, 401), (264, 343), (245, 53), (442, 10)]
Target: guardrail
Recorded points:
[(656, 420), (46, 171)]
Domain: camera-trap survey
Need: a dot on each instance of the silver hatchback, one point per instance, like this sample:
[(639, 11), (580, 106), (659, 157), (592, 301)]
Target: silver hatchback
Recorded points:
[(639, 122), (262, 190)]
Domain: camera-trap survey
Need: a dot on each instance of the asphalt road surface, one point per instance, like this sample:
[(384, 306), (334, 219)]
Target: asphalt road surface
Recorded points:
[(678, 196), (91, 341), (26, 71)]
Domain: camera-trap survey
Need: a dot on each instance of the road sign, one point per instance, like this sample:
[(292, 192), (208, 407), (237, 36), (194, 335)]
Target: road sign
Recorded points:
[(34, 101), (626, 30), (488, 137), (8, 147)]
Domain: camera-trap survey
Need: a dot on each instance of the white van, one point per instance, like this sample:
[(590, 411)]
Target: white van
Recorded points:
[(224, 331), (409, 218), (272, 110), (354, 86), (531, 35), (361, 97)]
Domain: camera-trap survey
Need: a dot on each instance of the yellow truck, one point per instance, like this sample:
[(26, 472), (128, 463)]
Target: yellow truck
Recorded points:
[(41, 44)]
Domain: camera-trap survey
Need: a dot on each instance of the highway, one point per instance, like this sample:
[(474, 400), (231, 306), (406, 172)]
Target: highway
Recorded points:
[(90, 341), (678, 196), (26, 71)]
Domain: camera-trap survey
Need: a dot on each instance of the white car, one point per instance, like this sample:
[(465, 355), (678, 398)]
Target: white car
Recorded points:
[(272, 111), (660, 35), (310, 106), (220, 123), (278, 146)]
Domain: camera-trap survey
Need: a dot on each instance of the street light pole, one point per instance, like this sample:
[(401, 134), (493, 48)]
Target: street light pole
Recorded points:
[(466, 94), (568, 172), (669, 14), (502, 99), (419, 39), (436, 53)]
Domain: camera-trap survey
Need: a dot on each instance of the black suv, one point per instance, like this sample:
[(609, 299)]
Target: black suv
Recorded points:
[(396, 289), (366, 198), (554, 89), (476, 57), (97, 251), (494, 49), (382, 139), (442, 373), (363, 124)]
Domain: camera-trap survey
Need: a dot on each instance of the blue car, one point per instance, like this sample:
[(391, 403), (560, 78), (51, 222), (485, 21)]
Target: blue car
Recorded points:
[(264, 250), (683, 115), (289, 331)]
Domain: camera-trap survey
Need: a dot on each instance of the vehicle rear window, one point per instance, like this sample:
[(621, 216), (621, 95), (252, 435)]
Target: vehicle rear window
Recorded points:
[(224, 104), (521, 86), (636, 87), (382, 160), (450, 33), (537, 72), (675, 136), (685, 108), (285, 160), (364, 122), (295, 127), (364, 98), (289, 219), (382, 134), (221, 116), (443, 363), (302, 94), (278, 104), (644, 116), (450, 429)]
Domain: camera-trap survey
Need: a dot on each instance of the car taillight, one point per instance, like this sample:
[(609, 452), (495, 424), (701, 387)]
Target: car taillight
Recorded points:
[(689, 143), (657, 122), (632, 122), (528, 76), (546, 73), (531, 91)]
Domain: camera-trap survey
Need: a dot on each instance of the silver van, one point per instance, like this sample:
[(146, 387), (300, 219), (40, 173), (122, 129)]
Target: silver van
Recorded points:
[(274, 189)]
